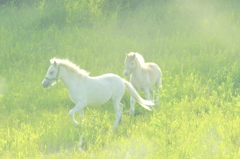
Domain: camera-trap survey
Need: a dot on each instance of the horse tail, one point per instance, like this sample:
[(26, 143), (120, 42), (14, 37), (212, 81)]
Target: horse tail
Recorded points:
[(137, 97)]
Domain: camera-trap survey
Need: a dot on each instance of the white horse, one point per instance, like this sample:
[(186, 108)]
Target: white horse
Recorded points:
[(85, 90), (142, 76)]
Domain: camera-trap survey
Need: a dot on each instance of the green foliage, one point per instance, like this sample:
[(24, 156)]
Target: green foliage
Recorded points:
[(196, 44)]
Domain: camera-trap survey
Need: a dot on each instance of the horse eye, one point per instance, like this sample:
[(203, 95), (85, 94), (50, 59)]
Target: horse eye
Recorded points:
[(51, 72)]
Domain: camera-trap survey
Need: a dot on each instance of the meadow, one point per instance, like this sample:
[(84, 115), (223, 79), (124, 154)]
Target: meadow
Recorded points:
[(195, 42)]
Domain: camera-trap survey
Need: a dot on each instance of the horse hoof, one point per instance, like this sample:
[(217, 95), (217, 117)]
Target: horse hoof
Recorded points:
[(131, 114), (75, 123)]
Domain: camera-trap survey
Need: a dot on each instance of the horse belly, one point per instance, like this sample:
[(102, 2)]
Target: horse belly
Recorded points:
[(99, 95), (98, 99), (107, 87)]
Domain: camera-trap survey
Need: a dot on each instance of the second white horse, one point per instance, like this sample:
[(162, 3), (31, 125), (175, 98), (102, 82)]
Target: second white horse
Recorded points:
[(142, 76)]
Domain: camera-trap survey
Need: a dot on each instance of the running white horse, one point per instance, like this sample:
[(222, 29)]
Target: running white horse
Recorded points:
[(142, 76), (85, 90)]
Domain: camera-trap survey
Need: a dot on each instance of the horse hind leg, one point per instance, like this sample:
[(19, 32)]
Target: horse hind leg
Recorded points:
[(157, 93), (159, 81), (151, 93), (148, 93), (119, 110), (132, 102), (152, 96)]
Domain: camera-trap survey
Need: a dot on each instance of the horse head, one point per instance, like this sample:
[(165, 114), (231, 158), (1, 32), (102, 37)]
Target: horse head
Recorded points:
[(52, 75), (130, 63)]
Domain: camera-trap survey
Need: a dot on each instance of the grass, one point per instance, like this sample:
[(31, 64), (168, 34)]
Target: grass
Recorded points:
[(195, 43)]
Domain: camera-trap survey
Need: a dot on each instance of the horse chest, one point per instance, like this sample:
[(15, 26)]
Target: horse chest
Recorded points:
[(76, 96), (139, 83), (137, 86)]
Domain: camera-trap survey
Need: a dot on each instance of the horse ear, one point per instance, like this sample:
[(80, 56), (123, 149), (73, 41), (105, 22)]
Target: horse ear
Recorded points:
[(55, 63), (51, 61), (134, 55)]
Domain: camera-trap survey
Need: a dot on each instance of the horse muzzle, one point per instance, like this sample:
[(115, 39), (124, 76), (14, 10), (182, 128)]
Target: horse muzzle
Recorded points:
[(46, 83), (127, 72)]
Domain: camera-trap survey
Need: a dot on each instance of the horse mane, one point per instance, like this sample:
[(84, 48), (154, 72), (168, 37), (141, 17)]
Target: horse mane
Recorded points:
[(70, 66), (138, 57)]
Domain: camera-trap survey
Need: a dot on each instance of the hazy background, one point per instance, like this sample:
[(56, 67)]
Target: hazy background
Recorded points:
[(195, 42)]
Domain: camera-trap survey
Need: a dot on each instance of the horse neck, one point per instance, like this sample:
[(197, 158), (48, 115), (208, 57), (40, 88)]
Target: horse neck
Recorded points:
[(69, 78), (137, 72)]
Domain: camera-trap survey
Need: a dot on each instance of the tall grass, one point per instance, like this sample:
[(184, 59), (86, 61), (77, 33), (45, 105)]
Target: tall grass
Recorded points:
[(194, 42)]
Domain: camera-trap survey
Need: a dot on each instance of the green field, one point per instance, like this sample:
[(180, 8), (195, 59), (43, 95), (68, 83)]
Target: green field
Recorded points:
[(195, 42)]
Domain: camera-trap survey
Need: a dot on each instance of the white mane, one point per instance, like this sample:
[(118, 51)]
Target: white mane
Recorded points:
[(71, 66), (138, 57)]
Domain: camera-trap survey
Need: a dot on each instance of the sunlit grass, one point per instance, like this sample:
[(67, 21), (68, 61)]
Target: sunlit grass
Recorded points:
[(195, 43)]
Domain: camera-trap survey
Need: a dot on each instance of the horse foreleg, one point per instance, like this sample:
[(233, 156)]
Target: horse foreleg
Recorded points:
[(132, 101), (79, 107), (147, 93), (81, 114)]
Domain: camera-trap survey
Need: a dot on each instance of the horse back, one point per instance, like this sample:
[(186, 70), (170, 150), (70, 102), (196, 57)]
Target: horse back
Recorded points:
[(153, 68), (155, 73)]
